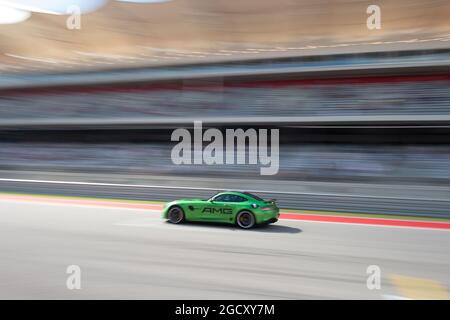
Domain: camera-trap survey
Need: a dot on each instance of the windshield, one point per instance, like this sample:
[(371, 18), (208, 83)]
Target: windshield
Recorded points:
[(215, 195)]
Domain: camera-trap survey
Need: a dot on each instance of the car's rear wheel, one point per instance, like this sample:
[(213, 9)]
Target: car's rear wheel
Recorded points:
[(176, 215), (245, 220)]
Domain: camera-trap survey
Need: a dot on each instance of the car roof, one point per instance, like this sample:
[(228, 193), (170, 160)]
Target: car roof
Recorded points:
[(240, 193), (231, 192)]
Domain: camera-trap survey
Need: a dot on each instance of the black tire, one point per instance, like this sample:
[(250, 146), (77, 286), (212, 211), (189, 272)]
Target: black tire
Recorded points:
[(245, 220), (176, 215)]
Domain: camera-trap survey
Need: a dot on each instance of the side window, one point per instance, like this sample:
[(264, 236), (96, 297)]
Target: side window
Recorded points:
[(229, 198), (238, 199), (222, 198)]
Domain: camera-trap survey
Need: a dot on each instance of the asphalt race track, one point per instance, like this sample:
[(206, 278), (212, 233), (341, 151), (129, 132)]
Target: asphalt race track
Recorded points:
[(130, 253)]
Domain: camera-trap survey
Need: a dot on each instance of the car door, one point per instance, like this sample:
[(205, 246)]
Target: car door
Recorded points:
[(228, 207), (218, 209)]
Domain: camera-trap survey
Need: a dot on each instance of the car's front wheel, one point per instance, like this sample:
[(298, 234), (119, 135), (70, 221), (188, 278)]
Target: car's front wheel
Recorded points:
[(245, 220), (175, 215)]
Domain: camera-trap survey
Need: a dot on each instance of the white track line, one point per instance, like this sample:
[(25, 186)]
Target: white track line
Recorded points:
[(367, 225), (79, 205)]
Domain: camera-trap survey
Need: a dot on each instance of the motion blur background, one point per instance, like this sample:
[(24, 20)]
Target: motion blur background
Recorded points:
[(363, 114), (364, 120)]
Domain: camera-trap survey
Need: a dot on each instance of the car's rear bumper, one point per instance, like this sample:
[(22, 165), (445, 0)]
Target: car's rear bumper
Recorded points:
[(268, 218), (273, 220)]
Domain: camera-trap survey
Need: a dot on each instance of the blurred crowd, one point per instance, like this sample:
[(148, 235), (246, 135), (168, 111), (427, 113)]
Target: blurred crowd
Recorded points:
[(388, 98), (306, 162)]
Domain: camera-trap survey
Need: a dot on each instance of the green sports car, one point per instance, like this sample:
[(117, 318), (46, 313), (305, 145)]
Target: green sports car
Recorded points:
[(241, 208)]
